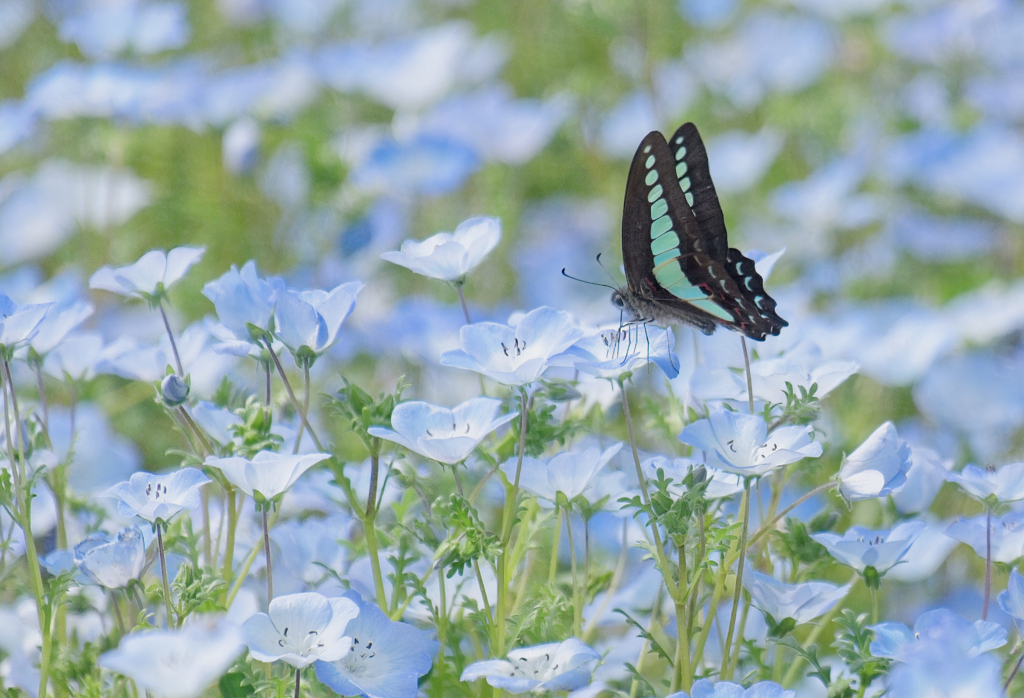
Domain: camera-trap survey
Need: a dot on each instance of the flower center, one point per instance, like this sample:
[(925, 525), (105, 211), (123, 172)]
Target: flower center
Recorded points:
[(537, 669), (304, 645), (444, 433), (359, 660), (154, 490)]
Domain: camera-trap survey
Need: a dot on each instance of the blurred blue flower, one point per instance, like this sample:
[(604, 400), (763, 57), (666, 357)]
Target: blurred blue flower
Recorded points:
[(860, 548), (739, 443), (1004, 537), (244, 302), (877, 467), (1012, 600), (157, 498), (17, 120), (557, 666), (151, 276), (707, 13), (104, 29), (929, 550), (738, 160), (300, 629), (515, 356), (604, 353), (387, 657), (308, 322), (450, 256), (725, 689), (308, 549), (924, 480), (445, 435), (721, 484), (625, 125), (932, 238), (425, 165), (895, 640), (1004, 484), (240, 147), (176, 663), (800, 602), (570, 473), (112, 561), (267, 475), (15, 16), (59, 320)]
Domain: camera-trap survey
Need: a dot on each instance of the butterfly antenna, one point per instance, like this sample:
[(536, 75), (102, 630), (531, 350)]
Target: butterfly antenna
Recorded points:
[(600, 264), (584, 281)]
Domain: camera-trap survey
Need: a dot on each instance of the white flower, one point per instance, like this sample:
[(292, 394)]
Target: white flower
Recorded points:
[(801, 602), (515, 356), (449, 256), (1004, 536), (572, 474), (739, 443), (564, 666), (610, 352), (152, 275), (300, 629), (269, 474), (445, 435), (311, 320), (176, 663), (877, 467), (860, 548), (158, 497), (1005, 484)]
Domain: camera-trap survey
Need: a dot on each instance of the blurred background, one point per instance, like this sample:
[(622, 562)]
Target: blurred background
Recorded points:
[(878, 142)]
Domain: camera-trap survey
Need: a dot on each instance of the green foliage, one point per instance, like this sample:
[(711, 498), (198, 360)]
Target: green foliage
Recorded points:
[(468, 539), (795, 543), (195, 590), (253, 434), (853, 643), (362, 411)]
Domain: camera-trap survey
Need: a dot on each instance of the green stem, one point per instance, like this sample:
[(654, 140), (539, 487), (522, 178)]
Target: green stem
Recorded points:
[(682, 663), (163, 574), (778, 517), (727, 667), (577, 598), (508, 513), (553, 569), (291, 395), (266, 550), (227, 570), (298, 679), (750, 383), (442, 630), (170, 336)]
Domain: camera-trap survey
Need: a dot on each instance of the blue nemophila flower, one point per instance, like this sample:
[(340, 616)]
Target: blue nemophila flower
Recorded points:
[(725, 689), (515, 356), (1004, 537), (1012, 600), (176, 663), (721, 484), (570, 473), (556, 666), (877, 467), (112, 561), (308, 322), (158, 497), (268, 475), (299, 629), (740, 443), (860, 548), (174, 389), (1005, 484), (59, 320), (893, 640), (449, 256), (445, 435), (604, 353), (924, 480), (386, 659), (19, 323), (151, 276), (244, 302), (800, 602)]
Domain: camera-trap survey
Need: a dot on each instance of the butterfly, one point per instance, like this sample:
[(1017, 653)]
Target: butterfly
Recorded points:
[(679, 266)]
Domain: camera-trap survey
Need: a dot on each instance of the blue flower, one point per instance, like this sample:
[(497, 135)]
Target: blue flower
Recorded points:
[(801, 602), (308, 322), (176, 663), (19, 323), (299, 629), (725, 689), (267, 475), (1004, 535), (721, 484), (570, 473), (386, 660), (515, 356), (1005, 484), (111, 561), (59, 320), (877, 467), (924, 480), (151, 276), (244, 302), (739, 443), (449, 256), (860, 548), (158, 497), (445, 435), (603, 353), (426, 165), (1012, 600), (564, 666), (897, 641)]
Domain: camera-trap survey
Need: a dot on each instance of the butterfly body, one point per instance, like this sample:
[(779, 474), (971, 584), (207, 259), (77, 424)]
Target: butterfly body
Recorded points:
[(679, 266)]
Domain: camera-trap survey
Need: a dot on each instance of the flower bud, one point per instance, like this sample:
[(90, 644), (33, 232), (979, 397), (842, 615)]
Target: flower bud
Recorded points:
[(173, 390)]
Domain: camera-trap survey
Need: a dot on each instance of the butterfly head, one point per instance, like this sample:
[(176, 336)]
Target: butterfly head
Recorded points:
[(619, 298)]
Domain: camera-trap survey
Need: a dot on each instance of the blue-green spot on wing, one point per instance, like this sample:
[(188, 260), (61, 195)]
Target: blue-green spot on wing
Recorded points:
[(670, 260)]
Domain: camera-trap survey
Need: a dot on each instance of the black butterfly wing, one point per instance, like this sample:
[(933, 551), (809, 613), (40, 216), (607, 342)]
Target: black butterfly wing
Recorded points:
[(694, 175), (668, 256)]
